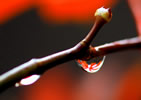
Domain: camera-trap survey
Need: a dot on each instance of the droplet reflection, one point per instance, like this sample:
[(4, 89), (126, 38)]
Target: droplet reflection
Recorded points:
[(94, 66)]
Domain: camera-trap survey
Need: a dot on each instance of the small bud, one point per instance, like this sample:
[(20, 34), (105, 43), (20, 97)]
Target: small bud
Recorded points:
[(104, 13)]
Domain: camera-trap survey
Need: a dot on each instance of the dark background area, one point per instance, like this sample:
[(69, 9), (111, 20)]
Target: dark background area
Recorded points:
[(27, 36)]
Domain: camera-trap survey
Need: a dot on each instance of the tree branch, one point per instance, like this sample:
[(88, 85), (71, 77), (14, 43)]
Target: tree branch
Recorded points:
[(82, 50), (131, 43), (39, 66)]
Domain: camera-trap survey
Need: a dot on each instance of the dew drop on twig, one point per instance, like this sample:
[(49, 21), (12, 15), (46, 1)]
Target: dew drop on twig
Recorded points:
[(92, 66), (28, 80)]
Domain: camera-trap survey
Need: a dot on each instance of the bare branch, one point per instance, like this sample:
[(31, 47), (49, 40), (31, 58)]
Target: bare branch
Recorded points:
[(82, 50), (132, 43), (39, 66)]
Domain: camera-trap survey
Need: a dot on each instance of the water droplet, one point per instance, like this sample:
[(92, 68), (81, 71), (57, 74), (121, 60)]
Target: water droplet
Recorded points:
[(28, 80), (92, 66)]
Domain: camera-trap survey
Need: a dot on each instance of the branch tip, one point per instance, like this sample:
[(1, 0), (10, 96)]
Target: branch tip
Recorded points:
[(106, 14)]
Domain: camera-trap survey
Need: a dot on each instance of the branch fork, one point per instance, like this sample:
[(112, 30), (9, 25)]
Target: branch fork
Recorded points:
[(83, 50)]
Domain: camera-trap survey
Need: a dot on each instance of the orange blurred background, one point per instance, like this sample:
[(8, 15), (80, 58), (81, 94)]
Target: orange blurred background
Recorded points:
[(36, 28), (54, 10)]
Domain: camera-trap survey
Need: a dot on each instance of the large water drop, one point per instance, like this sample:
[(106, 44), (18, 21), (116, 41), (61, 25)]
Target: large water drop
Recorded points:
[(92, 67)]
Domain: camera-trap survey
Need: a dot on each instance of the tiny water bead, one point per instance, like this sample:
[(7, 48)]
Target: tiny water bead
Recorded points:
[(92, 66), (28, 80)]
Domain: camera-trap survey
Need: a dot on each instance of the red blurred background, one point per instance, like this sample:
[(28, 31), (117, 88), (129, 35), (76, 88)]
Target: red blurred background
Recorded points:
[(36, 28), (55, 10)]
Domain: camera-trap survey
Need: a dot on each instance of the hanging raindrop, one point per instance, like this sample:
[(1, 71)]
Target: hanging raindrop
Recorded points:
[(28, 80), (92, 66)]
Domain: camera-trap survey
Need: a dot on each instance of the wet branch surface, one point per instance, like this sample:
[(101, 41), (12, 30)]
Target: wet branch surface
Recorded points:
[(83, 50)]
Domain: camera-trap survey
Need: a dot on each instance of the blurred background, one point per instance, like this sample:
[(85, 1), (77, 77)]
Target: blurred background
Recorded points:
[(37, 28)]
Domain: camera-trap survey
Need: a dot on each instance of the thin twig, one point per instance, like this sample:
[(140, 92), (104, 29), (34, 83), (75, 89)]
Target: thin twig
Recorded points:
[(81, 51), (39, 66), (125, 44)]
